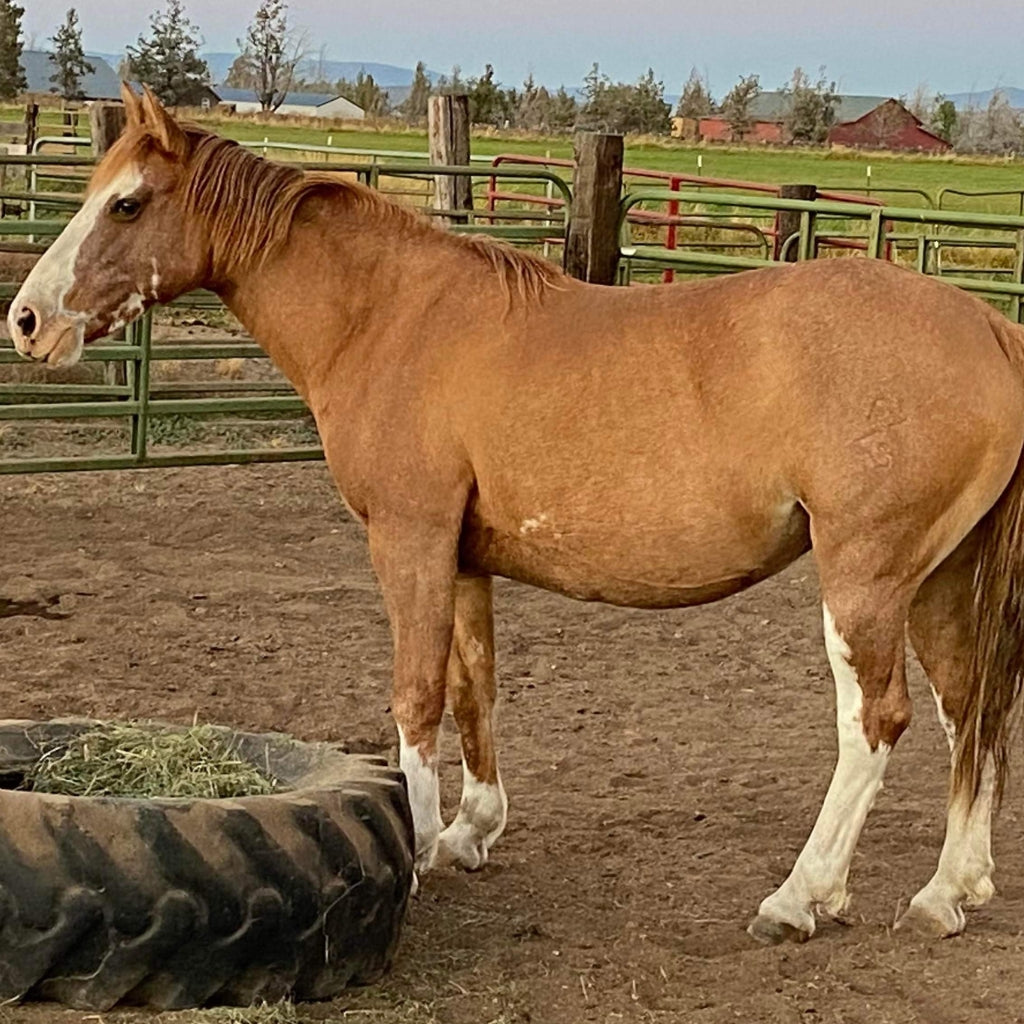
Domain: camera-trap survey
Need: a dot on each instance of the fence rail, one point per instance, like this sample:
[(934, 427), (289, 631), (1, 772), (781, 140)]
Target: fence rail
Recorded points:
[(880, 239)]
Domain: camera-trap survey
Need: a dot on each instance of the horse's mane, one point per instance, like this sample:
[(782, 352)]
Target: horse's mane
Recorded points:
[(247, 206)]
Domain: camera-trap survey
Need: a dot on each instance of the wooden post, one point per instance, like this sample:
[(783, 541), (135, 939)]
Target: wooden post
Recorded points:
[(787, 223), (448, 136), (106, 122), (592, 247), (31, 125)]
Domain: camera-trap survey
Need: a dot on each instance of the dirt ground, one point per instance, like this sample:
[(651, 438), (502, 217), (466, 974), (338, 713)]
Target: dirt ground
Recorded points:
[(663, 768)]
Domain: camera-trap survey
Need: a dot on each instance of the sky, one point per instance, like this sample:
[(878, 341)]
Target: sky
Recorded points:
[(878, 47)]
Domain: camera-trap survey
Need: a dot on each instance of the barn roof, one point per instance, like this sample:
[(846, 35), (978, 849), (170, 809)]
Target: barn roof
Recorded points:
[(773, 106), (293, 99), (102, 84)]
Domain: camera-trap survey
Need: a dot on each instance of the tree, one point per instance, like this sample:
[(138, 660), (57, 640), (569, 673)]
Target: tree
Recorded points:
[(810, 106), (270, 53), (921, 104), (618, 106), (535, 108), (414, 107), (486, 104), (944, 118), (564, 110), (452, 86), (365, 93), (12, 74), (69, 58), (737, 106), (169, 62), (696, 101)]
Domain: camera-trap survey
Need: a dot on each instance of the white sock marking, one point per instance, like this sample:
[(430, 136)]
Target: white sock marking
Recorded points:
[(483, 811), (964, 872), (424, 799), (819, 876)]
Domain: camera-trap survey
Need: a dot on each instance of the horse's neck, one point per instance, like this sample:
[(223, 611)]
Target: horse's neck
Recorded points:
[(321, 298)]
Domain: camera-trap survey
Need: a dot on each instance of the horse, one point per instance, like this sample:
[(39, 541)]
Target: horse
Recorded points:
[(483, 414)]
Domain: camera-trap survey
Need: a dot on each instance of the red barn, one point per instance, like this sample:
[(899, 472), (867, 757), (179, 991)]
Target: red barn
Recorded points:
[(888, 126), (717, 129)]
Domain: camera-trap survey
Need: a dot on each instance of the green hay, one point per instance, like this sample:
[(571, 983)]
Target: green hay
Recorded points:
[(140, 761)]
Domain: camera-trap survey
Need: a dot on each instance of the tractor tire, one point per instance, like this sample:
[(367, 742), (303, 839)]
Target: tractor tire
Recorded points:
[(175, 903)]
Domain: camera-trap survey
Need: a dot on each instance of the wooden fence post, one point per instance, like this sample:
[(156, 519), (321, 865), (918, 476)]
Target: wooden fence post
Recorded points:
[(31, 125), (448, 136), (106, 122), (592, 246), (787, 223)]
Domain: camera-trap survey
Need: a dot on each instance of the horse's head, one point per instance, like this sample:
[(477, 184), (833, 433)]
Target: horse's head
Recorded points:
[(126, 248)]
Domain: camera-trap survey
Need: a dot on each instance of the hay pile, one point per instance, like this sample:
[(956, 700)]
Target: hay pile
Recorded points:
[(143, 761)]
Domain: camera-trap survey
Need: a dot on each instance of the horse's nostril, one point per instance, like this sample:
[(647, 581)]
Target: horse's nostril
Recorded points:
[(26, 322)]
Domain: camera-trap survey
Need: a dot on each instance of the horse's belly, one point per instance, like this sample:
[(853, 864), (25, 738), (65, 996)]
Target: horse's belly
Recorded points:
[(635, 565)]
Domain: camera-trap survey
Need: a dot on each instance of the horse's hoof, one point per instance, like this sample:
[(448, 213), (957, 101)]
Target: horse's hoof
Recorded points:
[(772, 932), (459, 846), (932, 921)]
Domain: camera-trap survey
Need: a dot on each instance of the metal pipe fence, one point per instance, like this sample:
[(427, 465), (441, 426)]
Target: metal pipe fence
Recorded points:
[(881, 238), (121, 396)]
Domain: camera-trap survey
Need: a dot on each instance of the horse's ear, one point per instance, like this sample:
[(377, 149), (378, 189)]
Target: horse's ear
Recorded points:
[(132, 105), (165, 129)]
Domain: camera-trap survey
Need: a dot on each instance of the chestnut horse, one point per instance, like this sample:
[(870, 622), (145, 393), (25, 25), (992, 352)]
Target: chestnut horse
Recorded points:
[(482, 414)]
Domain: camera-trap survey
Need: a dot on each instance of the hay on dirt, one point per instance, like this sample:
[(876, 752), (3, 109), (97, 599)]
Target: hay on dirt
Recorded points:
[(134, 760)]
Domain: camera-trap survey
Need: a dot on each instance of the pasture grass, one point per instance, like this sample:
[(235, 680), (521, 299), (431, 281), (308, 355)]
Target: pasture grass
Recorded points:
[(134, 760)]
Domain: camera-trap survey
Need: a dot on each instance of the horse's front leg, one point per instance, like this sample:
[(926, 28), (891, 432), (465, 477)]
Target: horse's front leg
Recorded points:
[(416, 565), (471, 693)]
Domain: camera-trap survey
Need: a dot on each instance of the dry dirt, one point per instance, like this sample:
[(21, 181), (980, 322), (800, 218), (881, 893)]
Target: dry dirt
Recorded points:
[(663, 768)]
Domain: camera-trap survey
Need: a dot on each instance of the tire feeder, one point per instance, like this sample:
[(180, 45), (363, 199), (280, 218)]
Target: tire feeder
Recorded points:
[(184, 902)]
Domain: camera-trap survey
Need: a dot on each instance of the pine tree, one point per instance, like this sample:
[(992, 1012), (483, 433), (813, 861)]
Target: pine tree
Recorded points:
[(485, 98), (169, 62), (365, 93), (414, 108), (12, 74), (696, 101), (944, 118), (69, 58), (736, 107)]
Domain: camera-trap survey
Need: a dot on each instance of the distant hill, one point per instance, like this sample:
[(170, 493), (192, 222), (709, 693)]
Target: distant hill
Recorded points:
[(962, 100)]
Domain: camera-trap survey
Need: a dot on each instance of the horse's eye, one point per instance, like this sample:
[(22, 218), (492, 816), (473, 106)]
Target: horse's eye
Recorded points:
[(125, 208)]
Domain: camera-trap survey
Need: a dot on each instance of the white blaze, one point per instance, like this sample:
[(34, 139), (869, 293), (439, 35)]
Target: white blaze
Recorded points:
[(53, 276)]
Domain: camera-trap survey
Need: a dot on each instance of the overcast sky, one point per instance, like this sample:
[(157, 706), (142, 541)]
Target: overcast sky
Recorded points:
[(872, 46)]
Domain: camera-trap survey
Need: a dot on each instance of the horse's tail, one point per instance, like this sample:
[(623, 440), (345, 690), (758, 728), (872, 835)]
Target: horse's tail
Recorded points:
[(996, 669)]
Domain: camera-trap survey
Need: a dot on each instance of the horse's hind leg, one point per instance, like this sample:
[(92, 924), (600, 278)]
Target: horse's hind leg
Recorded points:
[(471, 694), (864, 637), (940, 630)]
